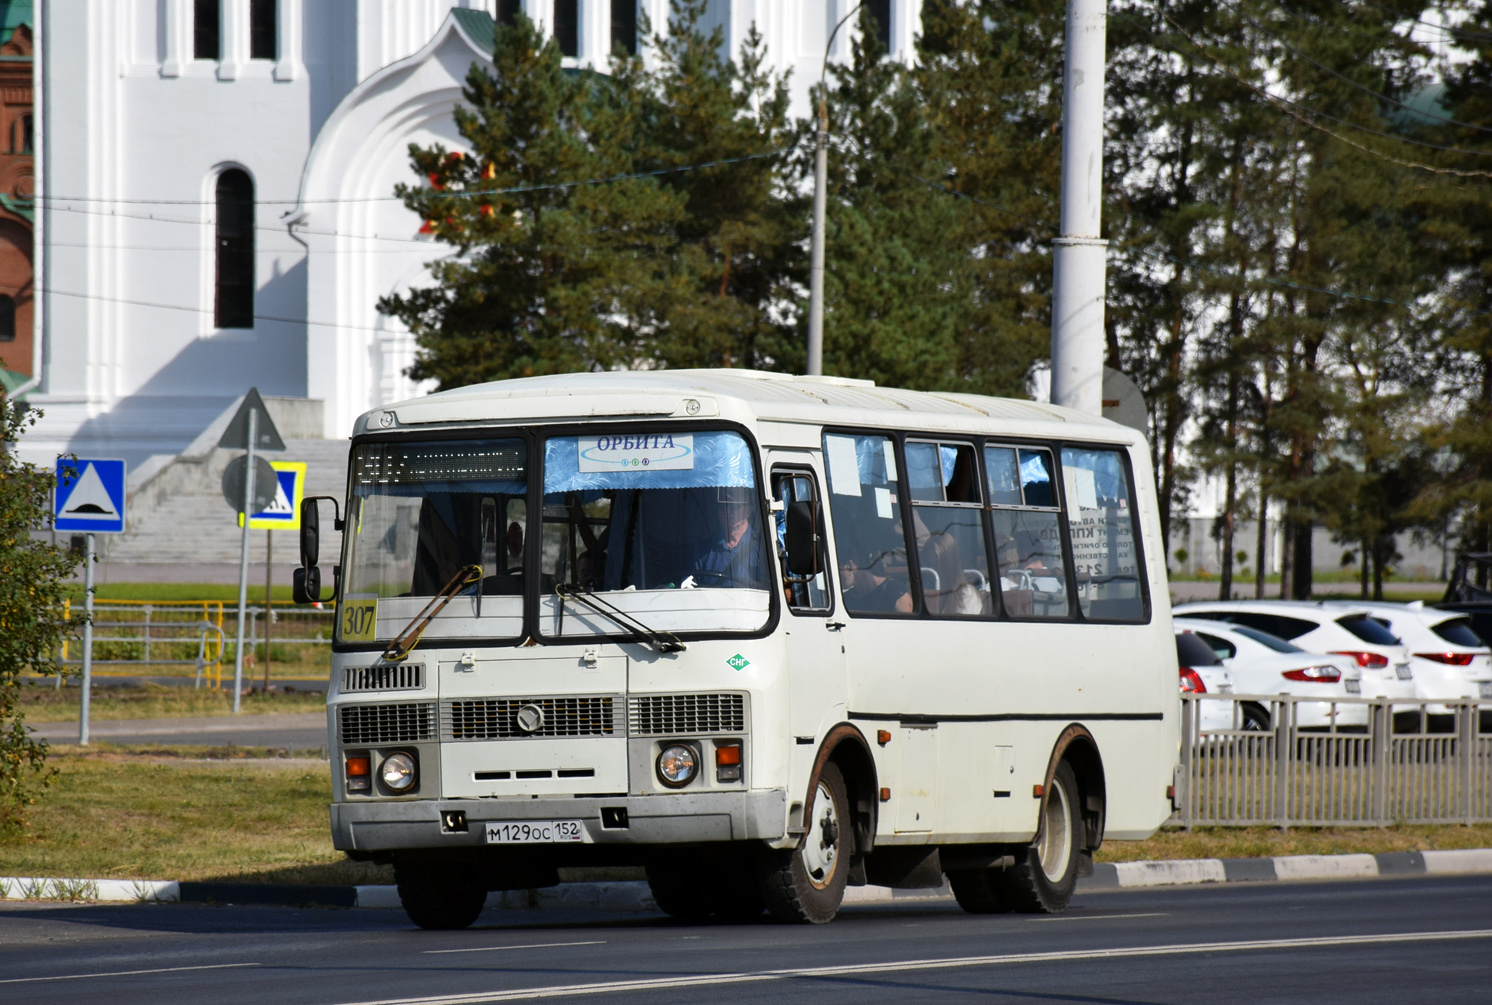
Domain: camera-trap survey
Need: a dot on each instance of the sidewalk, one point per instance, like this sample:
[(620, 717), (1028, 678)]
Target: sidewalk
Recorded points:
[(635, 897)]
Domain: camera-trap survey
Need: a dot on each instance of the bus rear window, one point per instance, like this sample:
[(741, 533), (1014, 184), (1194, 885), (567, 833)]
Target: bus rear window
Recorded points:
[(1102, 525)]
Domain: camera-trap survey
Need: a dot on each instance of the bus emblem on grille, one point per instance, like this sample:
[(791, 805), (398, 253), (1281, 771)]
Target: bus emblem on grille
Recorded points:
[(530, 718)]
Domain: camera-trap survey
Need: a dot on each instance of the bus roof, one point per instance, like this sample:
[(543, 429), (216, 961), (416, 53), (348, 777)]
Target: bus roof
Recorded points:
[(746, 396)]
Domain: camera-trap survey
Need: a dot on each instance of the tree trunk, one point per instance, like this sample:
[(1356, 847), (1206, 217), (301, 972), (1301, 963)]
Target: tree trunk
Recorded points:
[(1261, 544), (1301, 582)]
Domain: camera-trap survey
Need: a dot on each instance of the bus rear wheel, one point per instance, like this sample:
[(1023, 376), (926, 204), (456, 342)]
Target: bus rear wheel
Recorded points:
[(806, 885), (1043, 879), (439, 895)]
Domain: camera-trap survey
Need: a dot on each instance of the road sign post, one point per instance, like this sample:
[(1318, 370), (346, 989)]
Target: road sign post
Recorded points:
[(251, 429), (243, 564), (90, 498)]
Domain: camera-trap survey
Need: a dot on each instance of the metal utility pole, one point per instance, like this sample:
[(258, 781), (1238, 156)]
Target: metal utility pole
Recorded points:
[(816, 261), (1078, 264), (820, 198)]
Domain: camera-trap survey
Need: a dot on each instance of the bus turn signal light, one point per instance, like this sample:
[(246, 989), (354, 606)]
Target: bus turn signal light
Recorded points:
[(883, 736), (728, 761), (885, 795), (359, 773)]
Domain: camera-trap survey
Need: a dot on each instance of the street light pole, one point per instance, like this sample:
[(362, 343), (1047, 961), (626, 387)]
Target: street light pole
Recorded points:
[(1078, 254), (820, 199)]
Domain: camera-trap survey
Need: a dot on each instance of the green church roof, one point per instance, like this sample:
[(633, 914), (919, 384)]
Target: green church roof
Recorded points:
[(13, 14)]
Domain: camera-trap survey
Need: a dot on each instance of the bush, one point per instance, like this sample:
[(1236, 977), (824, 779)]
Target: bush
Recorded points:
[(33, 588)]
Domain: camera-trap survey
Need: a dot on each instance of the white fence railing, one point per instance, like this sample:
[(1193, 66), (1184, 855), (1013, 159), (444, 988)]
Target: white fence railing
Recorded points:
[(1404, 766)]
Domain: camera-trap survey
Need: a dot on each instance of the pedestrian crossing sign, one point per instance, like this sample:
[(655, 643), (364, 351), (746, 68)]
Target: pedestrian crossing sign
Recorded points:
[(284, 512)]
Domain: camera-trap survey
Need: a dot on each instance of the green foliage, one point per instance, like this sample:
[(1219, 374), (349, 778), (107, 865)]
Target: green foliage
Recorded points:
[(32, 620)]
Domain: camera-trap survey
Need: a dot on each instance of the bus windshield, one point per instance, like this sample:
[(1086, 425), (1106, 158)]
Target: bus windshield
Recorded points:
[(667, 525), (422, 512)]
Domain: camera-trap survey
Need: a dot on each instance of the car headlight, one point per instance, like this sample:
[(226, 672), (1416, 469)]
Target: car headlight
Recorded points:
[(677, 765), (397, 772)]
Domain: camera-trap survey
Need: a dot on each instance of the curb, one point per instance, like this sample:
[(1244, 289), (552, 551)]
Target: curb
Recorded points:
[(634, 896)]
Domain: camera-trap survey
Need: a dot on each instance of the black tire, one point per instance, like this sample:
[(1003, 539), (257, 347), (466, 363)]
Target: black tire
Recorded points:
[(1042, 881), (806, 885), (978, 891), (439, 895), (1255, 718)]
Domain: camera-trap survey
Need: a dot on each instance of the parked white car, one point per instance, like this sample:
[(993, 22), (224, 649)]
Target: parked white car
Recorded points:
[(1450, 660), (1346, 631), (1264, 664), (1200, 671)]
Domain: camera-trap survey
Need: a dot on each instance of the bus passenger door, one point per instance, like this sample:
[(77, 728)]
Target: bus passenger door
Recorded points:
[(815, 647)]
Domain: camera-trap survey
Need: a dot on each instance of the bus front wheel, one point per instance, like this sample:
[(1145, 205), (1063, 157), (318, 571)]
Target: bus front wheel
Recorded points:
[(806, 885), (1042, 880), (439, 895)]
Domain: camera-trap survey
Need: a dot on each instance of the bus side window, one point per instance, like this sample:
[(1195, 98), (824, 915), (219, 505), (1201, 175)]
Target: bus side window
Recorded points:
[(1101, 522), (1025, 515), (875, 576), (803, 595)]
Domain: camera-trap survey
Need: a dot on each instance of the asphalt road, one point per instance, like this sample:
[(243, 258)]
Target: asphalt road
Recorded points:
[(1381, 941)]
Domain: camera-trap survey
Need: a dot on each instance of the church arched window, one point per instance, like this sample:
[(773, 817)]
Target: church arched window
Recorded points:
[(881, 11), (567, 27), (207, 35), (264, 29), (234, 300), (624, 25), (508, 11), (7, 318)]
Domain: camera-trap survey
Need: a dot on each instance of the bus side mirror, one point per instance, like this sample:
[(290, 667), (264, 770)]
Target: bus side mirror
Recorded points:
[(310, 534), (305, 585), (801, 537)]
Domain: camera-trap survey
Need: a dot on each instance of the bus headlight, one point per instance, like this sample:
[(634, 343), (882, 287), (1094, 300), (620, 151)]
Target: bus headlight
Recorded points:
[(677, 765), (397, 772)]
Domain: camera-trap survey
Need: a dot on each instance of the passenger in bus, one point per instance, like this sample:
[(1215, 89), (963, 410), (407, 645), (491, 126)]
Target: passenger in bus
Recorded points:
[(734, 560), (870, 591), (953, 593)]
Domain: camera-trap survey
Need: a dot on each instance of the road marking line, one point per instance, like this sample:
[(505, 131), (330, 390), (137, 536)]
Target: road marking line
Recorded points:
[(494, 949), (704, 980), (127, 973), (1102, 917)]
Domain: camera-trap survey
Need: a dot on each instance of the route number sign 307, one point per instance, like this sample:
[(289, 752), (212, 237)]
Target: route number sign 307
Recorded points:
[(359, 619)]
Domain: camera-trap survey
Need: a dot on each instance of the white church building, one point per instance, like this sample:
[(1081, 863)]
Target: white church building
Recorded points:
[(215, 192)]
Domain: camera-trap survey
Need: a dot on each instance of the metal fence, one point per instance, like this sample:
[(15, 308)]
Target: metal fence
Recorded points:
[(1404, 767), (194, 639)]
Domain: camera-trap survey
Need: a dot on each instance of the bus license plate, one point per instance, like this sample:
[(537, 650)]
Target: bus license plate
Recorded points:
[(534, 831), (1484, 689), (1354, 687)]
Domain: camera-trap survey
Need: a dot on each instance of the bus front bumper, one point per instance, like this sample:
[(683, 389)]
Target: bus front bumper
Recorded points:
[(664, 818)]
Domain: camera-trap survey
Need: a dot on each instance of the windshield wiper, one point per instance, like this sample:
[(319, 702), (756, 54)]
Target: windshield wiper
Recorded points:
[(663, 642), (406, 640)]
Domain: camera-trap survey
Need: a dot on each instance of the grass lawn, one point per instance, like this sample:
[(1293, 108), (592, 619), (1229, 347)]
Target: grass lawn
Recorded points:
[(197, 814), (41, 703), (1250, 842), (226, 592), (171, 813)]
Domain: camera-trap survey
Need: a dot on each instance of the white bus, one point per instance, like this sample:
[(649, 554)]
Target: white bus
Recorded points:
[(763, 635)]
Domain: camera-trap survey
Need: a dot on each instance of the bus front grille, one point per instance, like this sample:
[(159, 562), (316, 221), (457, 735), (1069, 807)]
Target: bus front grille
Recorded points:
[(396, 677), (673, 714), (394, 722), (504, 718)]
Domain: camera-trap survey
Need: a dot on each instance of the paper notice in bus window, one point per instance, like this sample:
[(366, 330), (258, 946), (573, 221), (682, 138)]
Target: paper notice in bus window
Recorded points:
[(1082, 488), (890, 460), (883, 504), (844, 469), (637, 452)]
